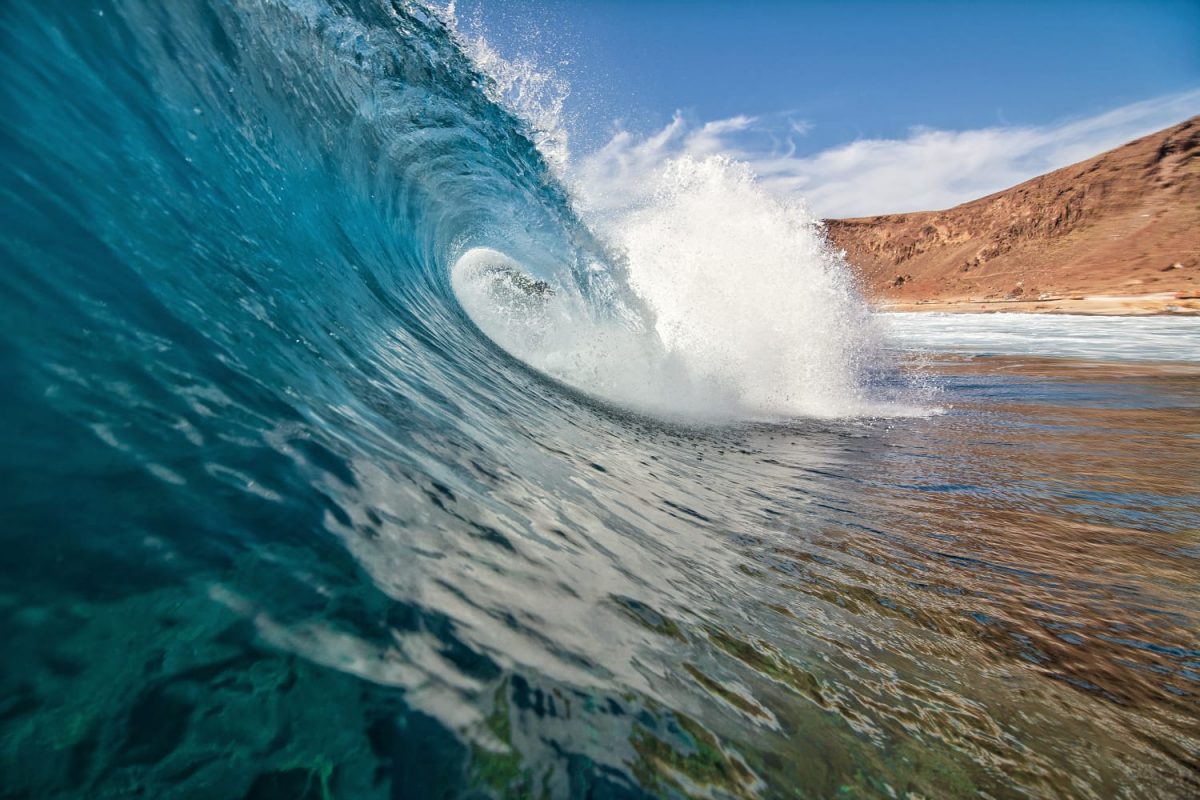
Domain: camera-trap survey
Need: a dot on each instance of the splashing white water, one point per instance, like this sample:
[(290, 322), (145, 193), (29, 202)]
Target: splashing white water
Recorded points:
[(536, 95), (554, 330), (746, 311), (744, 290)]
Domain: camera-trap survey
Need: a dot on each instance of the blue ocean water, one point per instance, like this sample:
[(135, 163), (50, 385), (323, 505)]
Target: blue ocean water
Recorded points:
[(281, 518)]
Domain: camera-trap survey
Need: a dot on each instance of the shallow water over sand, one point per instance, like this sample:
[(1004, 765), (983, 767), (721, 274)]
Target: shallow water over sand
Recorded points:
[(1000, 598)]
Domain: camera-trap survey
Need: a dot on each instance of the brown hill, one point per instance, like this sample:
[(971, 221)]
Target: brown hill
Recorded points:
[(1126, 222)]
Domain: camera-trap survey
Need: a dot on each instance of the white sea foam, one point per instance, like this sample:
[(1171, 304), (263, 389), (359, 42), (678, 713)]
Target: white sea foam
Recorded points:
[(714, 346), (1056, 335), (554, 330), (743, 288)]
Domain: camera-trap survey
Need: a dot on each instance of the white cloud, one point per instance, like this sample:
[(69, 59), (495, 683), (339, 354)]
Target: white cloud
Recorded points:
[(800, 127), (928, 169)]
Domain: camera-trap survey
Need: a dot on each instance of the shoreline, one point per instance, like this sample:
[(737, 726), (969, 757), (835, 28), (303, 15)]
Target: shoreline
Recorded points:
[(1161, 304)]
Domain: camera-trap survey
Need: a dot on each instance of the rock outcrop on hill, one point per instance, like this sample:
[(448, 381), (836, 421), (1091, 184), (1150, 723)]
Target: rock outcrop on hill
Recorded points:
[(1126, 222)]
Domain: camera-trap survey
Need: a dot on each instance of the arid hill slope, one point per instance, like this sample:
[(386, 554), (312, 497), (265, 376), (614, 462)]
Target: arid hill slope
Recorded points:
[(1125, 222)]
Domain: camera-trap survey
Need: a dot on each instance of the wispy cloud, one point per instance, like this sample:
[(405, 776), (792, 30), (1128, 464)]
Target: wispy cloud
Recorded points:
[(928, 169)]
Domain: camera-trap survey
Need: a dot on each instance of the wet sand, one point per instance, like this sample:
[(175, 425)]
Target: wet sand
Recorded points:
[(1167, 303)]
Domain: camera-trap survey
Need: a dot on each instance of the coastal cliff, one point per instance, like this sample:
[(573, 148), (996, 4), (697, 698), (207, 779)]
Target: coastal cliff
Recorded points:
[(1118, 233)]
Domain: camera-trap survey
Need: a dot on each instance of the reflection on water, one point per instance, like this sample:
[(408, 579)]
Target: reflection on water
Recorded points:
[(997, 599)]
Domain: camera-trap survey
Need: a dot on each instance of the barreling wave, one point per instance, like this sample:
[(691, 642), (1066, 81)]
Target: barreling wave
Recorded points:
[(734, 305), (307, 176)]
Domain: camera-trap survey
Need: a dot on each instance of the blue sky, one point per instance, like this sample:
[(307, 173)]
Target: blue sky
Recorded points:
[(808, 80)]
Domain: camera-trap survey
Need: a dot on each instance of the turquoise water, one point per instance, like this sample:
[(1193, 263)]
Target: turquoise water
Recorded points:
[(280, 521)]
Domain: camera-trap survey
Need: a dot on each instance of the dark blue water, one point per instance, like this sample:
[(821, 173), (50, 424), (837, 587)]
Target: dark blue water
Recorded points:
[(279, 522)]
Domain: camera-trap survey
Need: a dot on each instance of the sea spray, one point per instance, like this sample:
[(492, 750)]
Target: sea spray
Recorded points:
[(737, 306), (745, 290)]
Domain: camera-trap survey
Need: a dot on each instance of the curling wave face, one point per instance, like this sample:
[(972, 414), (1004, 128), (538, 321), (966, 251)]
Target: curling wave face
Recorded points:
[(327, 465)]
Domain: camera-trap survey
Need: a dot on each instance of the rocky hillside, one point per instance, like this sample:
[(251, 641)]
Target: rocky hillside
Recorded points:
[(1125, 222)]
